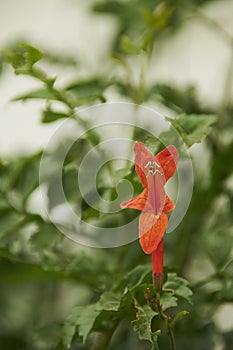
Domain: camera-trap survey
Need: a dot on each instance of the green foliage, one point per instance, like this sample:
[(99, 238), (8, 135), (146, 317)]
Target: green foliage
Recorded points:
[(179, 286), (42, 94), (50, 116), (109, 302), (142, 325), (104, 299), (129, 46), (88, 90), (181, 100), (126, 302), (82, 317), (45, 237), (23, 57), (193, 128)]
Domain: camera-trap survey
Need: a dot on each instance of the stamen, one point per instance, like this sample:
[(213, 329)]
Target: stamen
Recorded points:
[(156, 164), (149, 163), (152, 166)]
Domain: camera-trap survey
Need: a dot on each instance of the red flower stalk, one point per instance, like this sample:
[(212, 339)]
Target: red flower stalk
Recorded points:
[(154, 172)]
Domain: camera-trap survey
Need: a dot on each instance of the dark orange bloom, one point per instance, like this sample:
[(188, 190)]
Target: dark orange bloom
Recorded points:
[(154, 172)]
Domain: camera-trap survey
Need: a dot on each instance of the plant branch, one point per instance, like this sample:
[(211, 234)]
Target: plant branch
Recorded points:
[(166, 320), (155, 304)]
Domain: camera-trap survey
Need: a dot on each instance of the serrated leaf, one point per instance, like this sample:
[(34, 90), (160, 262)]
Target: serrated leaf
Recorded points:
[(109, 302), (49, 116), (184, 292), (168, 300), (23, 56), (82, 317), (193, 128), (142, 324), (179, 285)]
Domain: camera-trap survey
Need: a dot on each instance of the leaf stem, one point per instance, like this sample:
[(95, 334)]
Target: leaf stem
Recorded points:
[(166, 320), (155, 304)]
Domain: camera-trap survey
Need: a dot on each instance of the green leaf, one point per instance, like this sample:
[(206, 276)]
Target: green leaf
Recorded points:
[(22, 57), (28, 179), (129, 47), (135, 277), (168, 300), (109, 302), (184, 292), (43, 94), (45, 237), (193, 128), (87, 91), (128, 13), (9, 221), (142, 325), (49, 116), (179, 285), (112, 6), (159, 18), (82, 317), (20, 178), (181, 100)]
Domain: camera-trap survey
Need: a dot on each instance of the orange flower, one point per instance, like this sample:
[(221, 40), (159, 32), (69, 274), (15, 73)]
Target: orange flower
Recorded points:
[(153, 171)]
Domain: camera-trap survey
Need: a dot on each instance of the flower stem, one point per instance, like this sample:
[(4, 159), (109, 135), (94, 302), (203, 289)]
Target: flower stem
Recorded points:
[(157, 266)]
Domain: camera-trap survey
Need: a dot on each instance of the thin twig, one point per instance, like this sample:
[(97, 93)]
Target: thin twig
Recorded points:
[(167, 322)]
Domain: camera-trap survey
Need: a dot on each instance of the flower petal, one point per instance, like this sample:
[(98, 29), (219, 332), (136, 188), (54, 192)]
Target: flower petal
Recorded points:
[(138, 202), (156, 193), (168, 159), (169, 205), (151, 230), (142, 157)]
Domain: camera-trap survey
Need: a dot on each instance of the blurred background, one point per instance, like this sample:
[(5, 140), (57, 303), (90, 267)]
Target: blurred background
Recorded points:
[(98, 51), (196, 55)]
